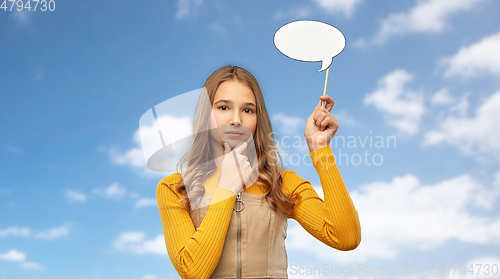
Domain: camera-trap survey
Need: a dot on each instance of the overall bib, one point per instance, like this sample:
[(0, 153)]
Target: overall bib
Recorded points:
[(255, 241)]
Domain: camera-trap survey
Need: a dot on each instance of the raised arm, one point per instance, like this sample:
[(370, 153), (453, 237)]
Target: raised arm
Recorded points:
[(194, 253), (333, 221)]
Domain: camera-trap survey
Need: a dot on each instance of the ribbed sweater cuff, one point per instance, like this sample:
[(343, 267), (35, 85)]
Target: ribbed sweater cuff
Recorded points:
[(323, 157)]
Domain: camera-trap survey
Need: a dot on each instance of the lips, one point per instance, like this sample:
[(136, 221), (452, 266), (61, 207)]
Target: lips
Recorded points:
[(234, 133)]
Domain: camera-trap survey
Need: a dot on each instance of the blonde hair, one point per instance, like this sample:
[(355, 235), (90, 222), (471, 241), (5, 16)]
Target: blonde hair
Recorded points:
[(200, 164)]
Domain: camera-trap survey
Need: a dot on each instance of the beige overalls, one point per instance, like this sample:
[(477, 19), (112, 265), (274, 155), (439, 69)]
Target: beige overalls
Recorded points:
[(255, 241)]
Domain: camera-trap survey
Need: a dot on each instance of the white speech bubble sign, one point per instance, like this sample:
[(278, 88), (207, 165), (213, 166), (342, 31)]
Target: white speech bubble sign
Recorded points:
[(310, 41)]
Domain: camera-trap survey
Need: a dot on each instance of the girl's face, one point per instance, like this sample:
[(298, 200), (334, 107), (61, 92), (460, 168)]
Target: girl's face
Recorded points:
[(234, 103)]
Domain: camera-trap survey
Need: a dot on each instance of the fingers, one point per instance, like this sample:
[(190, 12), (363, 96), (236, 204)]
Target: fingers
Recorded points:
[(321, 118), (329, 102), (319, 107), (321, 112), (316, 110), (324, 124), (240, 147), (243, 145), (324, 120)]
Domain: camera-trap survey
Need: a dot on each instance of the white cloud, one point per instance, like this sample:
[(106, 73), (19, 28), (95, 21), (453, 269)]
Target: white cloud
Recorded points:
[(345, 7), (13, 255), (51, 233), (136, 242), (426, 17), (149, 277), (343, 117), (75, 196), (133, 195), (405, 214), (496, 182), (31, 265), (461, 106), (114, 191), (144, 202), (401, 107), (186, 8), (476, 59), (477, 135), (134, 157), (15, 231), (16, 256), (442, 97), (287, 124)]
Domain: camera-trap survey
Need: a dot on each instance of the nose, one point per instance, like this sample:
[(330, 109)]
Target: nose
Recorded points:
[(235, 120)]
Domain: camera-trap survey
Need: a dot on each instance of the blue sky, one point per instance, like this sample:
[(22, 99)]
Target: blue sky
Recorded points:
[(76, 200)]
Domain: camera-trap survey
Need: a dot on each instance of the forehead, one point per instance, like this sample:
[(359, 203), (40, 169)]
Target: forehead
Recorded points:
[(235, 91)]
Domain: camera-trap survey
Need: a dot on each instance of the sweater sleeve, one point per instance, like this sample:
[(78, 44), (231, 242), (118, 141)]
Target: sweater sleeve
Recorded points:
[(194, 253), (333, 221)]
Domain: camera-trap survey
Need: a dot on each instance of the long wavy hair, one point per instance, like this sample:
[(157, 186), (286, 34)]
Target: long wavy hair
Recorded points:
[(200, 163)]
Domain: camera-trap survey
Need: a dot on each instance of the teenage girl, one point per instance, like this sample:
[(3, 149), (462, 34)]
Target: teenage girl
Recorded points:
[(226, 215)]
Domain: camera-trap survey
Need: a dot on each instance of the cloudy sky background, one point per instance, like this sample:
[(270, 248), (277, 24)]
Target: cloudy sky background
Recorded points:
[(417, 96)]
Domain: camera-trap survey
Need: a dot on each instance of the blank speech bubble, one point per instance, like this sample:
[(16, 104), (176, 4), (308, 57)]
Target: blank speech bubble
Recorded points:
[(310, 41)]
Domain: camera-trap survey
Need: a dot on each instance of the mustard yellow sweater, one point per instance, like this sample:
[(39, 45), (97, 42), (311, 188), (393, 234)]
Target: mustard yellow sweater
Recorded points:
[(195, 252)]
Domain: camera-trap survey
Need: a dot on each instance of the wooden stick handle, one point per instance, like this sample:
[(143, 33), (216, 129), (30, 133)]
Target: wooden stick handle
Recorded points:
[(326, 82)]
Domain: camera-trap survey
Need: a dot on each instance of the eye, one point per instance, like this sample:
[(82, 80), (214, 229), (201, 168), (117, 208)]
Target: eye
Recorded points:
[(222, 107), (249, 110)]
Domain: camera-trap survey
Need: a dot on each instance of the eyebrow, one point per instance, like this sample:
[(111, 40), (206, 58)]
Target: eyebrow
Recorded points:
[(229, 101)]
